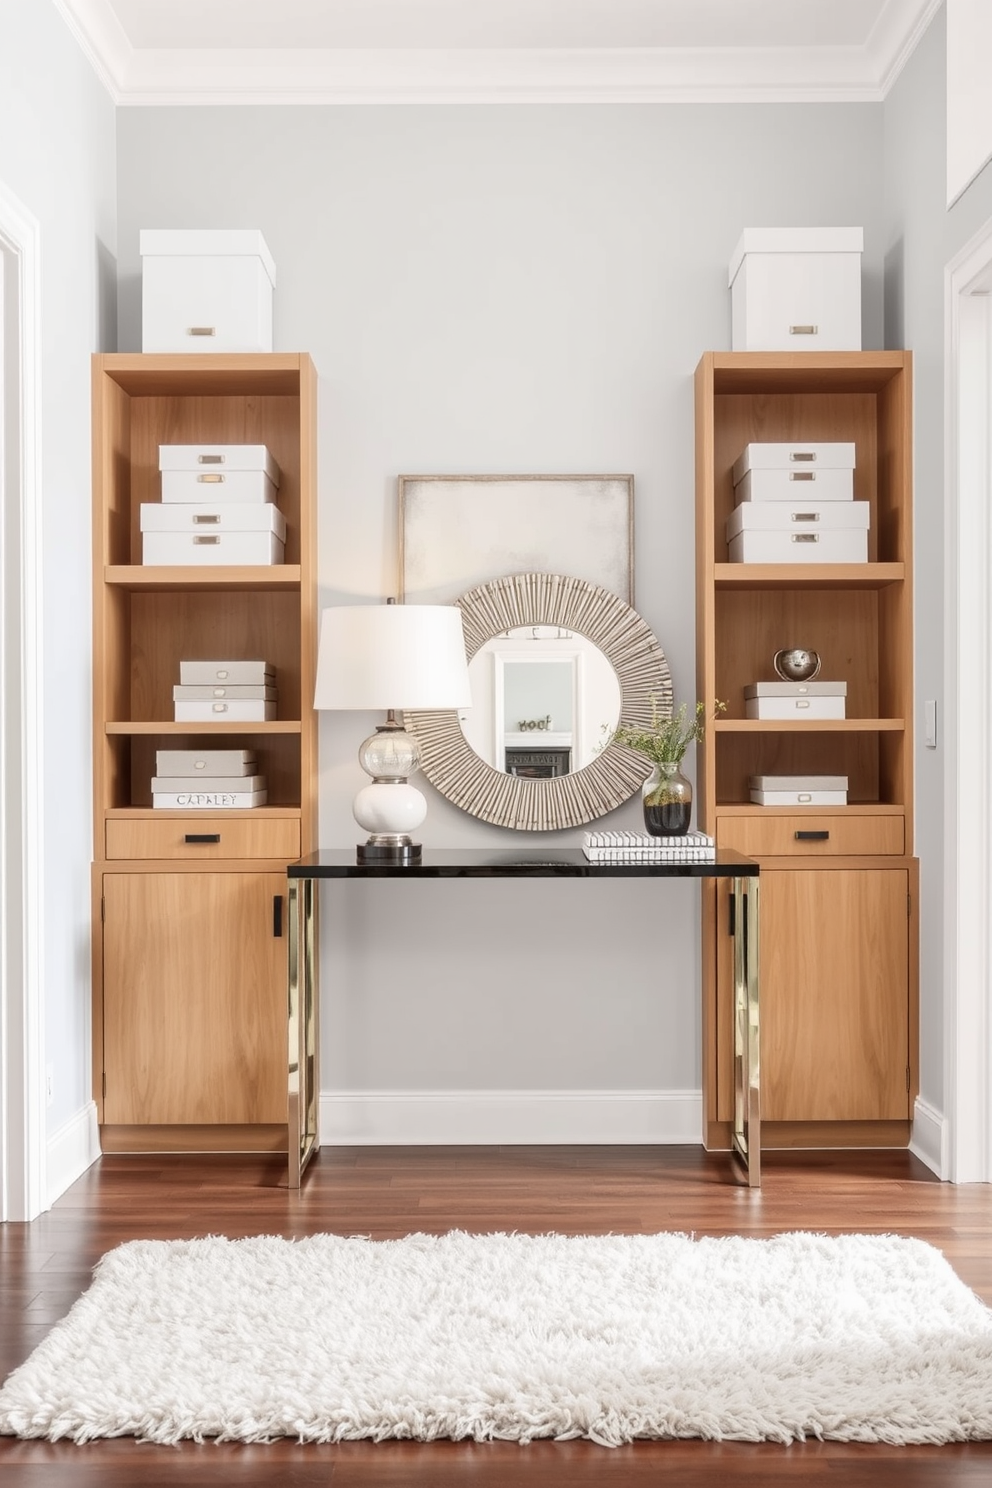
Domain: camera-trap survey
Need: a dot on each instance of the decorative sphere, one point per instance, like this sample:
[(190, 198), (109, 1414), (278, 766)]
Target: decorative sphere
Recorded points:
[(389, 808), (797, 664)]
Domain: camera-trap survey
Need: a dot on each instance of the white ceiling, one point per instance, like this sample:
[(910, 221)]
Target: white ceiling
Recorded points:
[(468, 51)]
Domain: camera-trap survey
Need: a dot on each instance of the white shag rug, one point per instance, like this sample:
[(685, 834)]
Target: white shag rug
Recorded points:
[(857, 1338)]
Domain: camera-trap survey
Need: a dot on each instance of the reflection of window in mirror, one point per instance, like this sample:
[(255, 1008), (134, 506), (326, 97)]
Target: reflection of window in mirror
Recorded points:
[(543, 701)]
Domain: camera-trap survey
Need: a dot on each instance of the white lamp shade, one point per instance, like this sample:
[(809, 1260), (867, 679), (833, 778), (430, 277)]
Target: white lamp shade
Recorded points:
[(392, 656)]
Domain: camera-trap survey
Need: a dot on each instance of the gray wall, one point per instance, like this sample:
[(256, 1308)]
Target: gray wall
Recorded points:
[(57, 156), (921, 237), (518, 289)]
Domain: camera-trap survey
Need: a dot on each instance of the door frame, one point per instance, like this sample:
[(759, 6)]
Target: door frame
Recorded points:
[(23, 1174), (966, 1155)]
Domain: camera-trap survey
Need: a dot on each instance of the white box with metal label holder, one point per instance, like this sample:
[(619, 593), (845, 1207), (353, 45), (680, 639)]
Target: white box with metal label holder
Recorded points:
[(206, 762), (211, 547), (217, 473), (231, 516), (206, 290), (799, 457), (798, 700), (796, 289), (798, 790), (234, 673), (800, 532)]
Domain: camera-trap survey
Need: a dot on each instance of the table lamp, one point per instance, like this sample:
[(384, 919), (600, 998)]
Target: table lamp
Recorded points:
[(393, 657)]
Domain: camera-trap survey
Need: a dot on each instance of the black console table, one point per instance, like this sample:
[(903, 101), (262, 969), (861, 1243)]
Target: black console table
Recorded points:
[(337, 863)]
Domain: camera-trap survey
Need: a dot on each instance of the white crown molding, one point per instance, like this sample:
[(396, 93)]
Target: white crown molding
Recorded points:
[(837, 74), (95, 26), (895, 36)]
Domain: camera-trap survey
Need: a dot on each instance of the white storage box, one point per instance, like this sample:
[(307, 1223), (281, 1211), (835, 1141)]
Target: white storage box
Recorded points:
[(217, 473), (208, 761), (212, 800), (827, 545), (206, 290), (796, 289), (789, 517), (798, 456), (212, 548), (234, 516), (246, 785), (225, 710), (234, 673), (796, 485), (234, 692), (798, 790), (801, 708)]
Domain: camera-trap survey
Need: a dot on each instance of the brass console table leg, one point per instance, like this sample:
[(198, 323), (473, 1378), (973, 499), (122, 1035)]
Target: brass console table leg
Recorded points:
[(747, 1062), (302, 1023)]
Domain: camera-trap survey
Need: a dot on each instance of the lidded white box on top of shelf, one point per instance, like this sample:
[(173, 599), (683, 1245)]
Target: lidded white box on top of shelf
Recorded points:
[(797, 516), (237, 673), (798, 790), (796, 289), (801, 461), (217, 472), (206, 289), (795, 700), (208, 762), (228, 516), (208, 546)]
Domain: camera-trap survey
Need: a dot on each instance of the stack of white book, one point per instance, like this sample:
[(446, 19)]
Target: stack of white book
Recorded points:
[(207, 779), (225, 692), (641, 847)]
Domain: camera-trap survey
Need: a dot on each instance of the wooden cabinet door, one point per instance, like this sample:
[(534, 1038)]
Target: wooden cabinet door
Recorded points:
[(835, 993), (194, 998)]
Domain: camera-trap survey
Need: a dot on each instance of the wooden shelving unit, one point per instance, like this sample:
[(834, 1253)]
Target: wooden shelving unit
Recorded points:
[(839, 910), (189, 959)]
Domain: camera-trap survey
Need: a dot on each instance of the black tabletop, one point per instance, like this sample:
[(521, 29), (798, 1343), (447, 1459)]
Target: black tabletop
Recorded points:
[(533, 862)]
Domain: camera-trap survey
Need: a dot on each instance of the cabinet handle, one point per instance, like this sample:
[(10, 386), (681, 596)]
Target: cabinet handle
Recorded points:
[(732, 917), (202, 837), (277, 915), (812, 836)]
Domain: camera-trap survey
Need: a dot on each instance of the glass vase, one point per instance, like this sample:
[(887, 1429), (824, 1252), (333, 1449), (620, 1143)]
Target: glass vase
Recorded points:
[(667, 800)]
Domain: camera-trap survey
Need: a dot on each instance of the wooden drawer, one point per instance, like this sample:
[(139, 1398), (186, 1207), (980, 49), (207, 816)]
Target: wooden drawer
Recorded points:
[(847, 836), (237, 837)]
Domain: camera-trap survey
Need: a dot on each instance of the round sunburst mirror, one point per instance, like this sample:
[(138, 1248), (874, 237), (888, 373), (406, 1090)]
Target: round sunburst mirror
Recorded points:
[(556, 663)]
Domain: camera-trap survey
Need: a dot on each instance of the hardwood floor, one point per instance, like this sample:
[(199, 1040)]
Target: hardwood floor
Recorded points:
[(388, 1192)]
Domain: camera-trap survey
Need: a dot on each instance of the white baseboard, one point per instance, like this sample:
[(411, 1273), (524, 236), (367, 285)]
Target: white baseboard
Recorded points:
[(486, 1117), (929, 1138), (73, 1148)]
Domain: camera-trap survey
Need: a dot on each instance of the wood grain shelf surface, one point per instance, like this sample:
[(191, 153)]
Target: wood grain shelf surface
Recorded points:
[(808, 726), (274, 576), (807, 575), (273, 726)]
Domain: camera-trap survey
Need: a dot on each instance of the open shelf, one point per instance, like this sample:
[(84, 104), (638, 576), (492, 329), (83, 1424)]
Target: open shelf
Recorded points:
[(136, 576), (807, 575)]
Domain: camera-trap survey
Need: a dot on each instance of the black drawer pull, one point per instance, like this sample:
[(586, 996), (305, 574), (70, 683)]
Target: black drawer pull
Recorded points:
[(812, 836), (277, 915), (202, 836)]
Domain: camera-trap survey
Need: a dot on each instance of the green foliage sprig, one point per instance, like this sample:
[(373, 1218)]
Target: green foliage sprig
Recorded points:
[(666, 738)]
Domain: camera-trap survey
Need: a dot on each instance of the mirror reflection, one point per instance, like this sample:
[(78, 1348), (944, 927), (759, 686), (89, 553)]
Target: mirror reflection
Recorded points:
[(544, 698)]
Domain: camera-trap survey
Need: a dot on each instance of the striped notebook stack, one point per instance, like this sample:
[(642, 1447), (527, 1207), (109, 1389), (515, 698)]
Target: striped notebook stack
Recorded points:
[(640, 847)]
